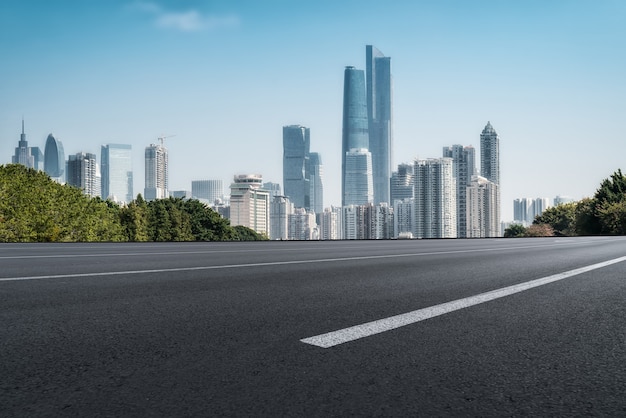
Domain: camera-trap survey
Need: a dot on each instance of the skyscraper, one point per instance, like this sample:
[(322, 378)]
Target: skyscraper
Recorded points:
[(402, 183), (463, 168), (316, 182), (296, 154), (490, 163), (280, 209), (354, 132), (435, 199), (490, 154), (156, 185), (379, 115), (117, 172), (358, 171), (23, 154), (54, 158), (82, 172)]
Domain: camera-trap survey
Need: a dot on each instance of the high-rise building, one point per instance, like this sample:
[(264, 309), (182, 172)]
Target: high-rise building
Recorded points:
[(250, 204), (435, 199), (156, 185), (355, 125), (490, 162), (525, 210), (559, 200), (296, 177), (358, 183), (273, 188), (302, 226), (404, 217), (483, 208), (23, 153), (353, 222), (280, 209), (82, 172), (378, 221), (317, 182), (463, 168), (331, 224), (54, 158), (117, 172), (402, 186), (209, 190), (379, 114), (490, 154)]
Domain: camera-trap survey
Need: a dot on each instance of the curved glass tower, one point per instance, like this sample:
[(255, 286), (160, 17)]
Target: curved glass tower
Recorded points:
[(54, 158), (355, 133)]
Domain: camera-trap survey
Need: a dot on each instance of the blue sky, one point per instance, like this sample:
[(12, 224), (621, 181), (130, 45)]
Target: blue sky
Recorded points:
[(225, 76)]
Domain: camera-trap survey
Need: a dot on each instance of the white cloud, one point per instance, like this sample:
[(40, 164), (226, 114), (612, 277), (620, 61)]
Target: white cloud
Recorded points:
[(187, 21)]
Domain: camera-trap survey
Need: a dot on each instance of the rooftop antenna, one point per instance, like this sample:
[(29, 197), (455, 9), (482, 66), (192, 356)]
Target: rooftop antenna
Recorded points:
[(162, 138)]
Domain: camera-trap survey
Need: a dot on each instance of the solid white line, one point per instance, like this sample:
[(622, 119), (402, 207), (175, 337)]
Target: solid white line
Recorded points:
[(275, 263), (356, 332)]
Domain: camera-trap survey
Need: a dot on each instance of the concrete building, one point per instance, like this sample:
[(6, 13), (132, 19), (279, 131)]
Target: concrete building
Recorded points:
[(157, 174), (463, 168), (83, 172), (250, 204), (280, 209), (331, 223), (435, 199), (483, 208)]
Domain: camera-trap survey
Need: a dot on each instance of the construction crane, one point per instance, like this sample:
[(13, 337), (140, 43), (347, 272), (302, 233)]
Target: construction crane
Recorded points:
[(162, 138)]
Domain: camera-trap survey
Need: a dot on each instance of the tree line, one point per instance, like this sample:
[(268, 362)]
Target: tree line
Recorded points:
[(34, 208), (603, 214)]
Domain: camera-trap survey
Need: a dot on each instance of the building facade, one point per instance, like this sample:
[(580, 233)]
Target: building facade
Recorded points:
[(402, 185), (250, 204), (463, 168), (82, 172), (54, 159), (157, 175), (435, 199), (316, 182), (23, 153), (117, 172), (296, 176), (331, 224), (359, 189), (280, 209), (354, 126), (379, 114), (490, 161), (210, 190), (483, 208)]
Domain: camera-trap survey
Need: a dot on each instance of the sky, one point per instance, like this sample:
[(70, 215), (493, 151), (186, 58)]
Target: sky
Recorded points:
[(224, 77)]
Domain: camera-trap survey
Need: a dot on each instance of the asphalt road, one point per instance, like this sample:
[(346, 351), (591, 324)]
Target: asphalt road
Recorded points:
[(242, 329)]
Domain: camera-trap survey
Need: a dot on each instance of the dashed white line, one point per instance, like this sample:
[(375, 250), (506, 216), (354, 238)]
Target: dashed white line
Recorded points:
[(368, 329)]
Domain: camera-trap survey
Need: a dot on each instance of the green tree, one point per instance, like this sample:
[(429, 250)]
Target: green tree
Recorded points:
[(206, 224), (515, 231), (562, 219)]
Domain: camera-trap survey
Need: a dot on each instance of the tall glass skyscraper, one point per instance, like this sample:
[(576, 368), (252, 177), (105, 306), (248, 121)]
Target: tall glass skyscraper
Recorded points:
[(379, 115), (359, 188), (355, 131), (54, 158), (317, 182), (296, 154), (117, 172), (156, 186)]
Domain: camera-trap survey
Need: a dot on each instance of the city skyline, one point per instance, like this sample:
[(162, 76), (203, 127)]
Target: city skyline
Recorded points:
[(548, 76)]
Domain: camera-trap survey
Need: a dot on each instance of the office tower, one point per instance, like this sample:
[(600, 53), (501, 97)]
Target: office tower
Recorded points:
[(402, 183), (483, 208), (180, 194), (354, 126), (296, 150), (280, 209), (490, 160), (117, 172), (250, 204), (358, 183), (209, 190), (521, 208), (330, 224), (559, 200), (317, 182), (540, 204), (23, 153), (156, 185), (54, 158), (302, 225), (82, 172), (404, 218), (463, 168), (435, 199), (273, 188), (379, 115)]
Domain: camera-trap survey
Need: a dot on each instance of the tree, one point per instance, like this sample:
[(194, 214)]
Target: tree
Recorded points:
[(539, 230), (562, 219), (514, 231)]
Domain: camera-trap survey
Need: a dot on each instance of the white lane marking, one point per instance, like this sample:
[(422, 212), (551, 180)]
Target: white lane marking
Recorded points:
[(331, 339), (275, 263)]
